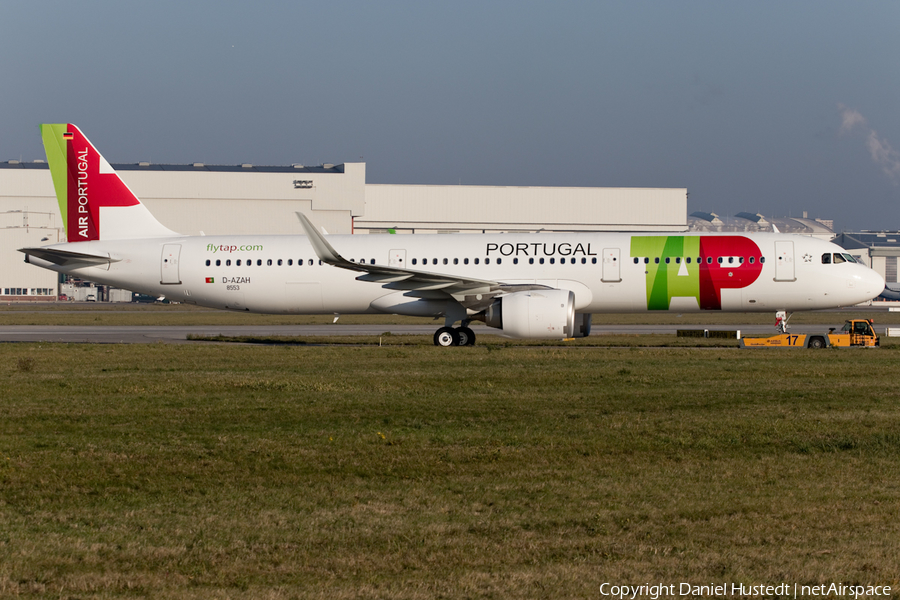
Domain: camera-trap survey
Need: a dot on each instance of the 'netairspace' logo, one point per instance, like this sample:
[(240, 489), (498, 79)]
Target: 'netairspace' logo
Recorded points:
[(223, 248), (742, 590), (689, 273)]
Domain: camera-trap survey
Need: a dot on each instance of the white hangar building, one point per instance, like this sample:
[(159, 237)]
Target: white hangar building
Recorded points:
[(206, 199)]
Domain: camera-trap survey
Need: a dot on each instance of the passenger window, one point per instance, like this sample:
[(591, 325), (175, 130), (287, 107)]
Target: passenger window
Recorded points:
[(279, 262), (445, 261), (310, 262), (584, 260), (228, 263), (667, 260), (476, 261), (762, 259), (636, 260), (269, 263), (530, 261), (434, 261), (414, 261), (730, 260), (218, 262), (677, 260), (515, 261), (752, 260), (259, 262), (455, 261), (656, 260), (465, 261), (720, 260), (238, 262), (646, 260), (207, 262), (594, 260), (709, 260), (487, 261), (499, 261), (552, 261), (290, 262), (542, 261)]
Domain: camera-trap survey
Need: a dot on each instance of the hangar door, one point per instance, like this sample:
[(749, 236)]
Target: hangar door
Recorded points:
[(784, 261)]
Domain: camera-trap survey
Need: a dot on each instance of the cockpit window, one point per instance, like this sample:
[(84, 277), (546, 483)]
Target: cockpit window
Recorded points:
[(826, 258), (839, 258), (849, 257)]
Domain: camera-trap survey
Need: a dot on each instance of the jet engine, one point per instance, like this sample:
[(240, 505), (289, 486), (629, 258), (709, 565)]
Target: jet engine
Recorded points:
[(541, 314)]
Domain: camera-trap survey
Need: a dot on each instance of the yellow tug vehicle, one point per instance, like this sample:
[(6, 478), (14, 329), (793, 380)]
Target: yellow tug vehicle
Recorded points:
[(856, 333)]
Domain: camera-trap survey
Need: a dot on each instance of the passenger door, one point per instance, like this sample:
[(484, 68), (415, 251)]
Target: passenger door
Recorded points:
[(397, 259), (169, 271), (784, 261), (611, 272)]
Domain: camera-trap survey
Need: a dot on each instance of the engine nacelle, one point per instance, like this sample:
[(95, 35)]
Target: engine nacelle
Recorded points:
[(540, 314), (582, 325)]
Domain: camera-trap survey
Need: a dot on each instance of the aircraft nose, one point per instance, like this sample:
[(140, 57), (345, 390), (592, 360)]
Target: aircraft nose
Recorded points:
[(872, 283)]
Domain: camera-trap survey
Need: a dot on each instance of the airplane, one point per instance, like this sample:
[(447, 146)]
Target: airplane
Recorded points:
[(891, 292), (535, 285)]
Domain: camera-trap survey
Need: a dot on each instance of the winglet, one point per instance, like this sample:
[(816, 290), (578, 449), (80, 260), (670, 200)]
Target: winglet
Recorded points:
[(323, 249)]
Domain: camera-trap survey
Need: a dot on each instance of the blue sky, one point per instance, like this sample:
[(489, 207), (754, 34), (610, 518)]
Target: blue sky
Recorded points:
[(765, 106)]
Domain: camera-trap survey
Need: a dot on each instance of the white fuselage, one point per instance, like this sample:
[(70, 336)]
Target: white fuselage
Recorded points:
[(607, 272)]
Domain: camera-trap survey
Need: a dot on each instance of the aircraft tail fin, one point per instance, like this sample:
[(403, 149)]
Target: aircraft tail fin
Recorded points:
[(94, 202)]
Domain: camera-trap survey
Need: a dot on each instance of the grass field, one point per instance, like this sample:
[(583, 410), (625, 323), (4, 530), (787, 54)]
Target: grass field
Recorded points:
[(180, 471)]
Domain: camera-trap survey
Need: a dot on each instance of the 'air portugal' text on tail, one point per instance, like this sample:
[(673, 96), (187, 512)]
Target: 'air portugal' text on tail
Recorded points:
[(94, 202)]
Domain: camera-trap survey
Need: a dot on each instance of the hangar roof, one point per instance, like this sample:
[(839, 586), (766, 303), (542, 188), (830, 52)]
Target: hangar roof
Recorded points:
[(327, 168), (868, 239), (744, 221)]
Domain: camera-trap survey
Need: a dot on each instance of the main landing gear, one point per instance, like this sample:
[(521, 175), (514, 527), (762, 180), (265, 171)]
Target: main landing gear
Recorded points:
[(455, 336)]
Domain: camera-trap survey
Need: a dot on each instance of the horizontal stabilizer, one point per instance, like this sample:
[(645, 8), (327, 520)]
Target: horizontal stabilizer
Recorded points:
[(67, 257)]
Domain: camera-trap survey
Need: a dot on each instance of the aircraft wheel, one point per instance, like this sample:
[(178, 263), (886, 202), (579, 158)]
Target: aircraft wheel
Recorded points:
[(446, 336), (466, 336)]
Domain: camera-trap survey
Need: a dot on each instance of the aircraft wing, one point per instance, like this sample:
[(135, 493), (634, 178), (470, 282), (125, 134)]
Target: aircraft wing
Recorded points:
[(470, 292), (58, 256)]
